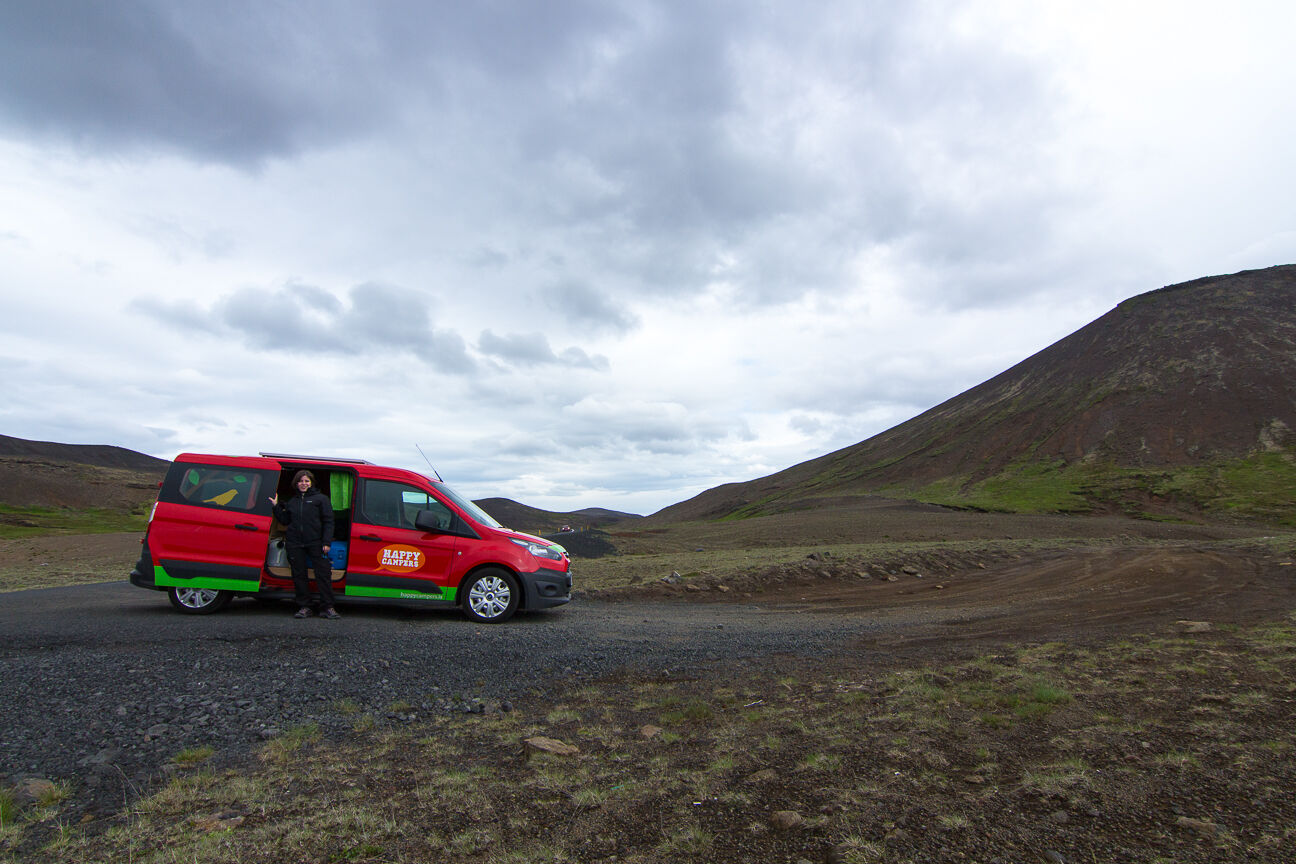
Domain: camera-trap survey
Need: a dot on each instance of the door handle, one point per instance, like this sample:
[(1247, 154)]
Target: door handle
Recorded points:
[(373, 537), (244, 526)]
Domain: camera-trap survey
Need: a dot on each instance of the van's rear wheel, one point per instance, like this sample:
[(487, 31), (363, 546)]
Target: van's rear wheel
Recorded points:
[(491, 596), (199, 601)]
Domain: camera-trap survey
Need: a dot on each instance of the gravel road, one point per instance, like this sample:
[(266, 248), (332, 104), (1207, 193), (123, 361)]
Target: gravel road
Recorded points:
[(104, 684)]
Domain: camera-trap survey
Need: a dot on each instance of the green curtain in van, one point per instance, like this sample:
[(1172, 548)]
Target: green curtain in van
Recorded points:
[(340, 486)]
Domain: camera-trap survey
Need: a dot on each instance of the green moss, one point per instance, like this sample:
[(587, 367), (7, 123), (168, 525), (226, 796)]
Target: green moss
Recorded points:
[(1022, 488), (34, 521), (1254, 488), (1258, 487)]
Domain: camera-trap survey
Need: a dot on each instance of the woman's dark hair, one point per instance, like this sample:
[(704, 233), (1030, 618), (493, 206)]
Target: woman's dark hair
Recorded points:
[(303, 473)]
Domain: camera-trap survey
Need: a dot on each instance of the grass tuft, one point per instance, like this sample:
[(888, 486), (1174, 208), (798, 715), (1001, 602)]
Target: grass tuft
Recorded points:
[(193, 756)]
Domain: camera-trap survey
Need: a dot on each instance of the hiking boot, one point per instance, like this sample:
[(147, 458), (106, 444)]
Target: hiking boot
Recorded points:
[(304, 612), (330, 612)]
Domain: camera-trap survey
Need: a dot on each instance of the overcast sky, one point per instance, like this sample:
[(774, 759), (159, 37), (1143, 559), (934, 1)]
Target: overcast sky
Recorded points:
[(601, 253)]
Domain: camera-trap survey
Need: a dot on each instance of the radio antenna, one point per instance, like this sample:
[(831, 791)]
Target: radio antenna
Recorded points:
[(427, 460)]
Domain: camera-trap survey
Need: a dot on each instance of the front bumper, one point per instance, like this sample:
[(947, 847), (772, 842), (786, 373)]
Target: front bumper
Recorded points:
[(546, 588)]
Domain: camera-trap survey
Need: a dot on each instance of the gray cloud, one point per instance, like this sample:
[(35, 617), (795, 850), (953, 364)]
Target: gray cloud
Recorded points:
[(233, 84), (674, 145), (532, 349), (587, 307), (647, 428), (527, 350), (577, 358), (806, 425), (295, 317), (242, 82), (306, 319), (526, 447)]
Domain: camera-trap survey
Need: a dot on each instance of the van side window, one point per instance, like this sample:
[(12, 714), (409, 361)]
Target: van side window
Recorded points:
[(395, 505), (215, 486)]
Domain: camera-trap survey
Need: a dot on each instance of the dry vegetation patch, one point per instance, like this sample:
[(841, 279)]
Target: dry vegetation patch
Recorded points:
[(748, 571), (1176, 747), (53, 560)]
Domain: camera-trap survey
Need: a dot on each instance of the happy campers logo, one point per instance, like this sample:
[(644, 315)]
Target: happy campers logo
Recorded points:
[(399, 558)]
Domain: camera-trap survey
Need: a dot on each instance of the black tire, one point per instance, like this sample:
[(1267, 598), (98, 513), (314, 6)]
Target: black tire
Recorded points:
[(199, 601), (491, 596)]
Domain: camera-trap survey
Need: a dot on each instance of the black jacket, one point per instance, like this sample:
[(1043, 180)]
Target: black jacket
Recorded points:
[(308, 517)]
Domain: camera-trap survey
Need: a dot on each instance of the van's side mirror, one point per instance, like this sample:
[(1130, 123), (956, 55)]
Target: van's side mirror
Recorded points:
[(426, 520)]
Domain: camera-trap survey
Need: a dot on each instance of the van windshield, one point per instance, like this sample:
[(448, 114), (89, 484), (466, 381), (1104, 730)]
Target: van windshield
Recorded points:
[(479, 515)]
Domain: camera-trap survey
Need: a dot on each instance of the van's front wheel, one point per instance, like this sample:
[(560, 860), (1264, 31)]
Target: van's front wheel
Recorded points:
[(199, 601), (491, 596)]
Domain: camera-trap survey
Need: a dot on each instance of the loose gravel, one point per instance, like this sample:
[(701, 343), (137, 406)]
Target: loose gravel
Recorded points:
[(104, 685)]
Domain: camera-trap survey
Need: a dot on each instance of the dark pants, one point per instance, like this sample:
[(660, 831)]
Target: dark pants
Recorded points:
[(298, 557)]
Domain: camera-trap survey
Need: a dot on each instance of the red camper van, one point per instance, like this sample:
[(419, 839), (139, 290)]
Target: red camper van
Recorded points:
[(398, 536)]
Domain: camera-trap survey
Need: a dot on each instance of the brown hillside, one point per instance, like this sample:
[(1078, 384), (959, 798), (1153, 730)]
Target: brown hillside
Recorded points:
[(1182, 375), (46, 474), (34, 482)]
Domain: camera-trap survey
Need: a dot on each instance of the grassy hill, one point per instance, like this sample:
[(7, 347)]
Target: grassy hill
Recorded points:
[(1179, 403)]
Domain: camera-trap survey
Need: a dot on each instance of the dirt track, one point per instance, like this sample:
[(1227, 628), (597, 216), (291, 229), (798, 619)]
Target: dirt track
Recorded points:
[(1086, 592), (1094, 590)]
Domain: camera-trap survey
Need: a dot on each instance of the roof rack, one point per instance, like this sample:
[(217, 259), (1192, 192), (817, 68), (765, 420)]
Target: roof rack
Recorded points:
[(299, 458)]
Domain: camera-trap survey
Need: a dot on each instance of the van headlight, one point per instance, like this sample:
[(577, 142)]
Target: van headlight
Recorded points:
[(539, 550)]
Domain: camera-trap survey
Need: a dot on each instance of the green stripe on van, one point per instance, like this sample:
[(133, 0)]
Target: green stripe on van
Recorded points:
[(162, 578), (400, 593)]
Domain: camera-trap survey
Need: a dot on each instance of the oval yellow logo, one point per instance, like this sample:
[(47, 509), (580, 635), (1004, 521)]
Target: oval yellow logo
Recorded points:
[(399, 558)]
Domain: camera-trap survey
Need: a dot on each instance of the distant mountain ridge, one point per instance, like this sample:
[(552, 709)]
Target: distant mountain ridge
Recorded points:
[(1190, 375), (520, 517), (49, 474), (102, 455)]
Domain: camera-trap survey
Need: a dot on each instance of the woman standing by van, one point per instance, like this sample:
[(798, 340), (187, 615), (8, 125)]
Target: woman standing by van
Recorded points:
[(308, 518)]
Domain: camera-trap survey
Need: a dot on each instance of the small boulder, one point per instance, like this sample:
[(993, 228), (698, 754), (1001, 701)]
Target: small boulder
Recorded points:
[(216, 822), (1201, 826), (548, 745), (32, 789)]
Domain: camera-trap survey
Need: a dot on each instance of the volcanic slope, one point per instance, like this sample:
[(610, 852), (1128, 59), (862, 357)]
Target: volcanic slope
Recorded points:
[(47, 474), (1178, 400)]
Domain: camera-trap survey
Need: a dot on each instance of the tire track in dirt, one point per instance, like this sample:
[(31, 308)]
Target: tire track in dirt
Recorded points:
[(1072, 591)]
